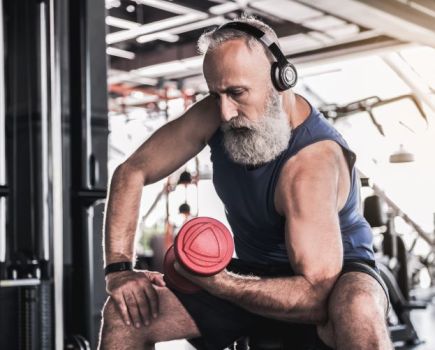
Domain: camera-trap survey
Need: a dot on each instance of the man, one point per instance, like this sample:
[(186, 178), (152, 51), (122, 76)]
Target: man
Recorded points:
[(287, 181)]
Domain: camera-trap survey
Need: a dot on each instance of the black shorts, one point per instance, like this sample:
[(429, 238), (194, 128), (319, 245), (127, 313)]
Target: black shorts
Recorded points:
[(221, 322)]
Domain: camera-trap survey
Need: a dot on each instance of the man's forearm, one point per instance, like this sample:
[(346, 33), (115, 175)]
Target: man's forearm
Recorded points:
[(122, 209), (284, 298)]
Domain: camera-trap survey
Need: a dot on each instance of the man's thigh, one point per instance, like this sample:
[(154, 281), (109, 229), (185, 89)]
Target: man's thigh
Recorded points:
[(219, 321)]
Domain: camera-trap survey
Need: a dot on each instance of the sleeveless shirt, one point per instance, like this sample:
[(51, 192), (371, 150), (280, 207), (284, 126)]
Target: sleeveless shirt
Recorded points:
[(248, 198)]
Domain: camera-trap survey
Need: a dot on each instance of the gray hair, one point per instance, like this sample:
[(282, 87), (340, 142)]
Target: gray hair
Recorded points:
[(210, 40)]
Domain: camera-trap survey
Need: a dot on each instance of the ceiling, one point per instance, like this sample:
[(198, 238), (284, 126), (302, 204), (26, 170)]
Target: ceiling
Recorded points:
[(150, 42)]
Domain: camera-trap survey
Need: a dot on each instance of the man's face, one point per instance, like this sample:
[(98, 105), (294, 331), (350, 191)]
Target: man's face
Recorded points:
[(256, 129)]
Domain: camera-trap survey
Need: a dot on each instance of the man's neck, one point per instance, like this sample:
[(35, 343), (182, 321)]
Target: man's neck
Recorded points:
[(296, 107)]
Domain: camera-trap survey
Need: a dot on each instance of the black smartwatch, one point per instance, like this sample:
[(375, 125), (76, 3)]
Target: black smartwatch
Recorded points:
[(118, 267)]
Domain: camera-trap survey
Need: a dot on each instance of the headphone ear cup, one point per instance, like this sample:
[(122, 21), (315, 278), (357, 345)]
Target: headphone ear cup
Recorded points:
[(284, 76), (288, 75), (276, 77)]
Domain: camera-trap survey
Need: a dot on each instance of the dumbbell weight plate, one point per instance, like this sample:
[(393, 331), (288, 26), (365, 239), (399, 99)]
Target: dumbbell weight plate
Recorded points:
[(204, 246)]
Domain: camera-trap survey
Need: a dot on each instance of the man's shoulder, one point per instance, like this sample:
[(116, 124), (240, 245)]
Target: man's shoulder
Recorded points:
[(309, 167), (202, 118), (311, 157)]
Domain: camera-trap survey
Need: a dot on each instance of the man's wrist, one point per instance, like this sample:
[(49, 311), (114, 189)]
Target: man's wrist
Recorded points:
[(118, 267)]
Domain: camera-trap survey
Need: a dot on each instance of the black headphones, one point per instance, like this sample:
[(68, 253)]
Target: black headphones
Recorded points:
[(283, 73)]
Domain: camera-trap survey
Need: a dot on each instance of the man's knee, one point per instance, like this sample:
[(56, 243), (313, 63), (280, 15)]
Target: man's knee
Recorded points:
[(365, 299), (357, 313), (353, 313), (365, 304)]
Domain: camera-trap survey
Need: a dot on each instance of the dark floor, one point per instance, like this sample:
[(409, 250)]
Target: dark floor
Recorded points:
[(424, 323)]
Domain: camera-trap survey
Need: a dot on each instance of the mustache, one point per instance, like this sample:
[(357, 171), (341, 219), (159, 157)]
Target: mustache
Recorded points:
[(238, 123)]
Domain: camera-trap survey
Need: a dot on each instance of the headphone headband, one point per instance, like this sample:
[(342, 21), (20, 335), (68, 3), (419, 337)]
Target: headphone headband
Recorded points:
[(259, 35), (283, 73)]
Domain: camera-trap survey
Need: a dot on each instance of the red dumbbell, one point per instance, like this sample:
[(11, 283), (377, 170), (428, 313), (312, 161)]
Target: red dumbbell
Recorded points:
[(203, 246)]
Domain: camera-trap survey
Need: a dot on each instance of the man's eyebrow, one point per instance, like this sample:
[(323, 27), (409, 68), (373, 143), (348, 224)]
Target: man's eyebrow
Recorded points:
[(228, 89)]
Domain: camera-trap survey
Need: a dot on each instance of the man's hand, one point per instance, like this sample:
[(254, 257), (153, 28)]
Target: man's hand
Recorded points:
[(135, 295), (209, 283)]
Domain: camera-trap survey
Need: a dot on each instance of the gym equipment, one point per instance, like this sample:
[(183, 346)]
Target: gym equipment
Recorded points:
[(283, 74), (393, 266), (203, 246), (403, 330), (77, 342)]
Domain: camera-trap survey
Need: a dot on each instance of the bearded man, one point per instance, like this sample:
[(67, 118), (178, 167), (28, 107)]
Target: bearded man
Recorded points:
[(305, 269)]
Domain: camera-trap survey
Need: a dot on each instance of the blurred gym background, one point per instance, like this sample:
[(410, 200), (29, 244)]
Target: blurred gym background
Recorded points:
[(84, 83)]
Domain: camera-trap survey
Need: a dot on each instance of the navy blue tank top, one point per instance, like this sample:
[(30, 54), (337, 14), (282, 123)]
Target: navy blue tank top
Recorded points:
[(248, 197)]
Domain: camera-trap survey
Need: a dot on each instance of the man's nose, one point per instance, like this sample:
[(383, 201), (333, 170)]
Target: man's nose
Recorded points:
[(228, 109)]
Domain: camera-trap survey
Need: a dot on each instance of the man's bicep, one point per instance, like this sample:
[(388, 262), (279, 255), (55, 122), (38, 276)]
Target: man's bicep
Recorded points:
[(313, 237), (176, 142)]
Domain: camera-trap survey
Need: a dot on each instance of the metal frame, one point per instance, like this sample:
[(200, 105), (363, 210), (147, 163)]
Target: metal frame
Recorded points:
[(45, 229), (55, 158), (28, 282), (409, 77), (2, 142), (426, 236), (388, 16), (88, 107)]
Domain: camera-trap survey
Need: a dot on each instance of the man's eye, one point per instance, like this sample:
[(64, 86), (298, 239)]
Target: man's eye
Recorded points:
[(236, 92)]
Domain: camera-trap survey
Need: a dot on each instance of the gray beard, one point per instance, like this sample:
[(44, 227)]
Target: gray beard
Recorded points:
[(255, 143)]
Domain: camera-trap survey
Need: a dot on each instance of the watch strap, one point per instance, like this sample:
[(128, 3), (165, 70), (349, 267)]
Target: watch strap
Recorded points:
[(118, 267)]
